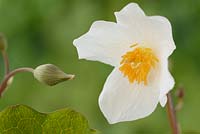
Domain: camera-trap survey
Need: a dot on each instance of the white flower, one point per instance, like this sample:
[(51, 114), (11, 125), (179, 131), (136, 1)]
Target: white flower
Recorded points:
[(138, 46)]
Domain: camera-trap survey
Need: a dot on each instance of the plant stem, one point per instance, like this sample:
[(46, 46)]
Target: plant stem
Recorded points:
[(172, 115), (10, 74), (6, 62)]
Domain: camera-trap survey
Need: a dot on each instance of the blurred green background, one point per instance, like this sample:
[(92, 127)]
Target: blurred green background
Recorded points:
[(42, 31)]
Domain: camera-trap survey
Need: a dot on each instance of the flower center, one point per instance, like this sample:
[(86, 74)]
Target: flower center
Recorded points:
[(137, 64)]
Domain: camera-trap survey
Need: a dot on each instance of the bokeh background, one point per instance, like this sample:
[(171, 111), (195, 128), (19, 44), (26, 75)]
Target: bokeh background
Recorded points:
[(42, 31)]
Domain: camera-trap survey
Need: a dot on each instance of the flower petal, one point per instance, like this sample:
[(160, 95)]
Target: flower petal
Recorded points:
[(122, 101), (154, 31), (163, 101), (159, 32), (129, 14), (166, 80), (105, 42), (167, 83)]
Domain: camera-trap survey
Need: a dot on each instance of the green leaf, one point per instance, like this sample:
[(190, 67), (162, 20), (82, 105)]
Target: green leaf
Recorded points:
[(21, 119)]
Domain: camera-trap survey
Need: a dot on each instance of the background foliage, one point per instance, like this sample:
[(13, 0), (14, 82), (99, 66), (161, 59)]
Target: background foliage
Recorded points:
[(42, 31)]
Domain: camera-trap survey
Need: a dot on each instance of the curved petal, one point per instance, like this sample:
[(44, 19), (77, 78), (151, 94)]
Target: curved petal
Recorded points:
[(129, 14), (163, 101), (167, 83), (105, 42), (166, 80), (158, 33), (122, 101)]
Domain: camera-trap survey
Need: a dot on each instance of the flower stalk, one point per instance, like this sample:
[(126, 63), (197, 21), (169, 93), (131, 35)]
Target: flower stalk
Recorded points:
[(11, 74), (6, 62), (172, 115)]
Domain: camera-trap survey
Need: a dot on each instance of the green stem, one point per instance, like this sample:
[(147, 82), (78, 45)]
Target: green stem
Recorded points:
[(172, 115), (11, 74)]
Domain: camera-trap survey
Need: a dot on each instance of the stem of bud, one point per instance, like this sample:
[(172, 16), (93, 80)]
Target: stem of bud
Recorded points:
[(10, 74)]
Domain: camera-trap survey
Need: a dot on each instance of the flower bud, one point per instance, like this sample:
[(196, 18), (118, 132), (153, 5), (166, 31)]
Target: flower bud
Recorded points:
[(3, 42), (50, 74)]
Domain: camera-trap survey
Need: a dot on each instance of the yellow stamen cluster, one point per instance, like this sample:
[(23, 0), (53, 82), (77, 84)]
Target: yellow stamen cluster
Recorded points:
[(137, 64)]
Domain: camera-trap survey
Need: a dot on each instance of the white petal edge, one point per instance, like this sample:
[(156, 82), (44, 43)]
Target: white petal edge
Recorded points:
[(129, 14), (105, 42), (122, 101), (167, 83), (163, 101), (166, 80)]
